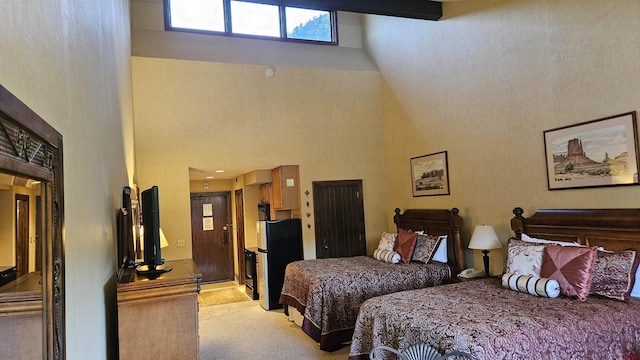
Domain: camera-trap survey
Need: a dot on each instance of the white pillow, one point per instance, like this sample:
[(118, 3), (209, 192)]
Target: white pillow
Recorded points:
[(441, 252), (635, 292), (387, 241), (526, 238), (389, 256)]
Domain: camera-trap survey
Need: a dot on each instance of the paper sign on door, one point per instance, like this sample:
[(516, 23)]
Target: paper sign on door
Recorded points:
[(207, 210), (207, 223)]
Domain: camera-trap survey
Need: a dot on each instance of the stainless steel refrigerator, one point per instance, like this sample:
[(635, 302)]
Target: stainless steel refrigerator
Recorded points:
[(279, 243)]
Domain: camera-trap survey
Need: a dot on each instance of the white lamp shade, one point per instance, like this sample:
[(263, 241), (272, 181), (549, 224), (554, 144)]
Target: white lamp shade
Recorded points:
[(484, 238)]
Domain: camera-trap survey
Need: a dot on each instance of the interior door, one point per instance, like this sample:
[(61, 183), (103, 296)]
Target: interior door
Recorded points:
[(239, 201), (22, 234), (339, 218), (211, 238)]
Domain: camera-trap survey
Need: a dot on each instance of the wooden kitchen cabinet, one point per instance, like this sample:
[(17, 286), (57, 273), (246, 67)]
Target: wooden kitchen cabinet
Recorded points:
[(284, 188), (265, 193)]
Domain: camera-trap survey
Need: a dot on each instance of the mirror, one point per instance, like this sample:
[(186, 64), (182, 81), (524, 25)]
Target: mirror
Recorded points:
[(32, 305)]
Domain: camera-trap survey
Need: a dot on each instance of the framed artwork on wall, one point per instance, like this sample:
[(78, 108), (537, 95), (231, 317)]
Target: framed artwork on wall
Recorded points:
[(430, 174), (601, 152)]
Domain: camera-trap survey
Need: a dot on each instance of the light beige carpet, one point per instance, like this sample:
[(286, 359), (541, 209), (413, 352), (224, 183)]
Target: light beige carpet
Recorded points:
[(222, 296), (245, 331)]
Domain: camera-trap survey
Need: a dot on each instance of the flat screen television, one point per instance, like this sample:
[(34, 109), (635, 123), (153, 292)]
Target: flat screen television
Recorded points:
[(126, 255), (152, 264)]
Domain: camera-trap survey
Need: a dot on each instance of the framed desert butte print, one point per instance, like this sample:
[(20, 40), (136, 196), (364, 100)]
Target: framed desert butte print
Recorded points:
[(430, 175), (602, 152)]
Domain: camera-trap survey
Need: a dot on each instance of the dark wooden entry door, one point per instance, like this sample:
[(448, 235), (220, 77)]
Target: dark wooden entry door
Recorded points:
[(22, 234), (239, 201), (211, 239), (339, 218)]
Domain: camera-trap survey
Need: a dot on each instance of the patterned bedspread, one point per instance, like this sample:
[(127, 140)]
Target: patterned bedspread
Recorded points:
[(491, 322), (329, 292)]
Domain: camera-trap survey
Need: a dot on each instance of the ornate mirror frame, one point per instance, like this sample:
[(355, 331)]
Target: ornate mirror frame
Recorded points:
[(31, 148)]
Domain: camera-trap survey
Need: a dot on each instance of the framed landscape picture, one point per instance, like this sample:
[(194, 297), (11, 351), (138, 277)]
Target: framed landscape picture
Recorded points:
[(602, 152), (429, 175)]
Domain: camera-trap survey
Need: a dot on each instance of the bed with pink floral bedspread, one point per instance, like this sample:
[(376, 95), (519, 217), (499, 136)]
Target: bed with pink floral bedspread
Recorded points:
[(491, 322)]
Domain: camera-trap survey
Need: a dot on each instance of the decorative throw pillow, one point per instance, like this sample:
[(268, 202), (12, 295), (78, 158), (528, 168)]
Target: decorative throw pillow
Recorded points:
[(614, 274), (405, 244), (533, 285), (387, 241), (572, 267), (523, 258), (441, 254), (389, 256), (426, 246)]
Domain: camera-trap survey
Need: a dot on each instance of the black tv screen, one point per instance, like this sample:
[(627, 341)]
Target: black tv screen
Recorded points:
[(126, 255), (152, 262)]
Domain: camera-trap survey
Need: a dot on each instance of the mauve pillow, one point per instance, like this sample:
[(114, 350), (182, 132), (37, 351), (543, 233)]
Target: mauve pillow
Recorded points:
[(573, 268), (405, 244), (615, 273)]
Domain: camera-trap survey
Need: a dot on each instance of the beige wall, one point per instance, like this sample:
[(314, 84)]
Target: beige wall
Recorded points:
[(486, 81), (70, 62), (150, 40), (209, 115)]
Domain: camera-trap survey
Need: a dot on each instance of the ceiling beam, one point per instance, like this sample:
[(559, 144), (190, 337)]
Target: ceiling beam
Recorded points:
[(415, 9)]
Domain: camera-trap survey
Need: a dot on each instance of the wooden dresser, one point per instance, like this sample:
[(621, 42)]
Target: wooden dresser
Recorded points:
[(21, 318), (158, 318)]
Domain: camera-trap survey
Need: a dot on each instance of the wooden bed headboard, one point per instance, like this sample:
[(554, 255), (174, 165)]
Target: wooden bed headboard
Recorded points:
[(613, 229), (436, 222)]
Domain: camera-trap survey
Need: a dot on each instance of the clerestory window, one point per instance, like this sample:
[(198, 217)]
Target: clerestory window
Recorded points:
[(252, 19)]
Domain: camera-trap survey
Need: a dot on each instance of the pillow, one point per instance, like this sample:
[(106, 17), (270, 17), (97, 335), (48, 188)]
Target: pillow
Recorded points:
[(614, 274), (636, 286), (389, 256), (405, 244), (533, 285), (387, 241), (528, 239), (572, 267), (426, 246), (523, 258), (441, 254)]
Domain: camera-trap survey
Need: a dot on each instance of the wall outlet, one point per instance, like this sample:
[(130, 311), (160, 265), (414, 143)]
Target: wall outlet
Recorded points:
[(180, 242)]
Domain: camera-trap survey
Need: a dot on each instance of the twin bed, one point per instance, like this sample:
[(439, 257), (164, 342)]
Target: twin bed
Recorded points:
[(328, 292), (489, 321)]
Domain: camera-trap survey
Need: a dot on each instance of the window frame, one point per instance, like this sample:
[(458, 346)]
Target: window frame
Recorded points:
[(228, 26)]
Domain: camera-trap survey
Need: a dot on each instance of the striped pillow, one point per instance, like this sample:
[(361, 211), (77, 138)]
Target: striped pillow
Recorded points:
[(389, 256), (533, 285)]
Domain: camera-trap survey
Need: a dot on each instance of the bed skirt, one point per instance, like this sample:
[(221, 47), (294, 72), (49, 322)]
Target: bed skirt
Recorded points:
[(331, 341)]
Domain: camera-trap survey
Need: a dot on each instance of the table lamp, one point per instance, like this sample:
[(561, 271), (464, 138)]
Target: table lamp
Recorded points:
[(484, 238)]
